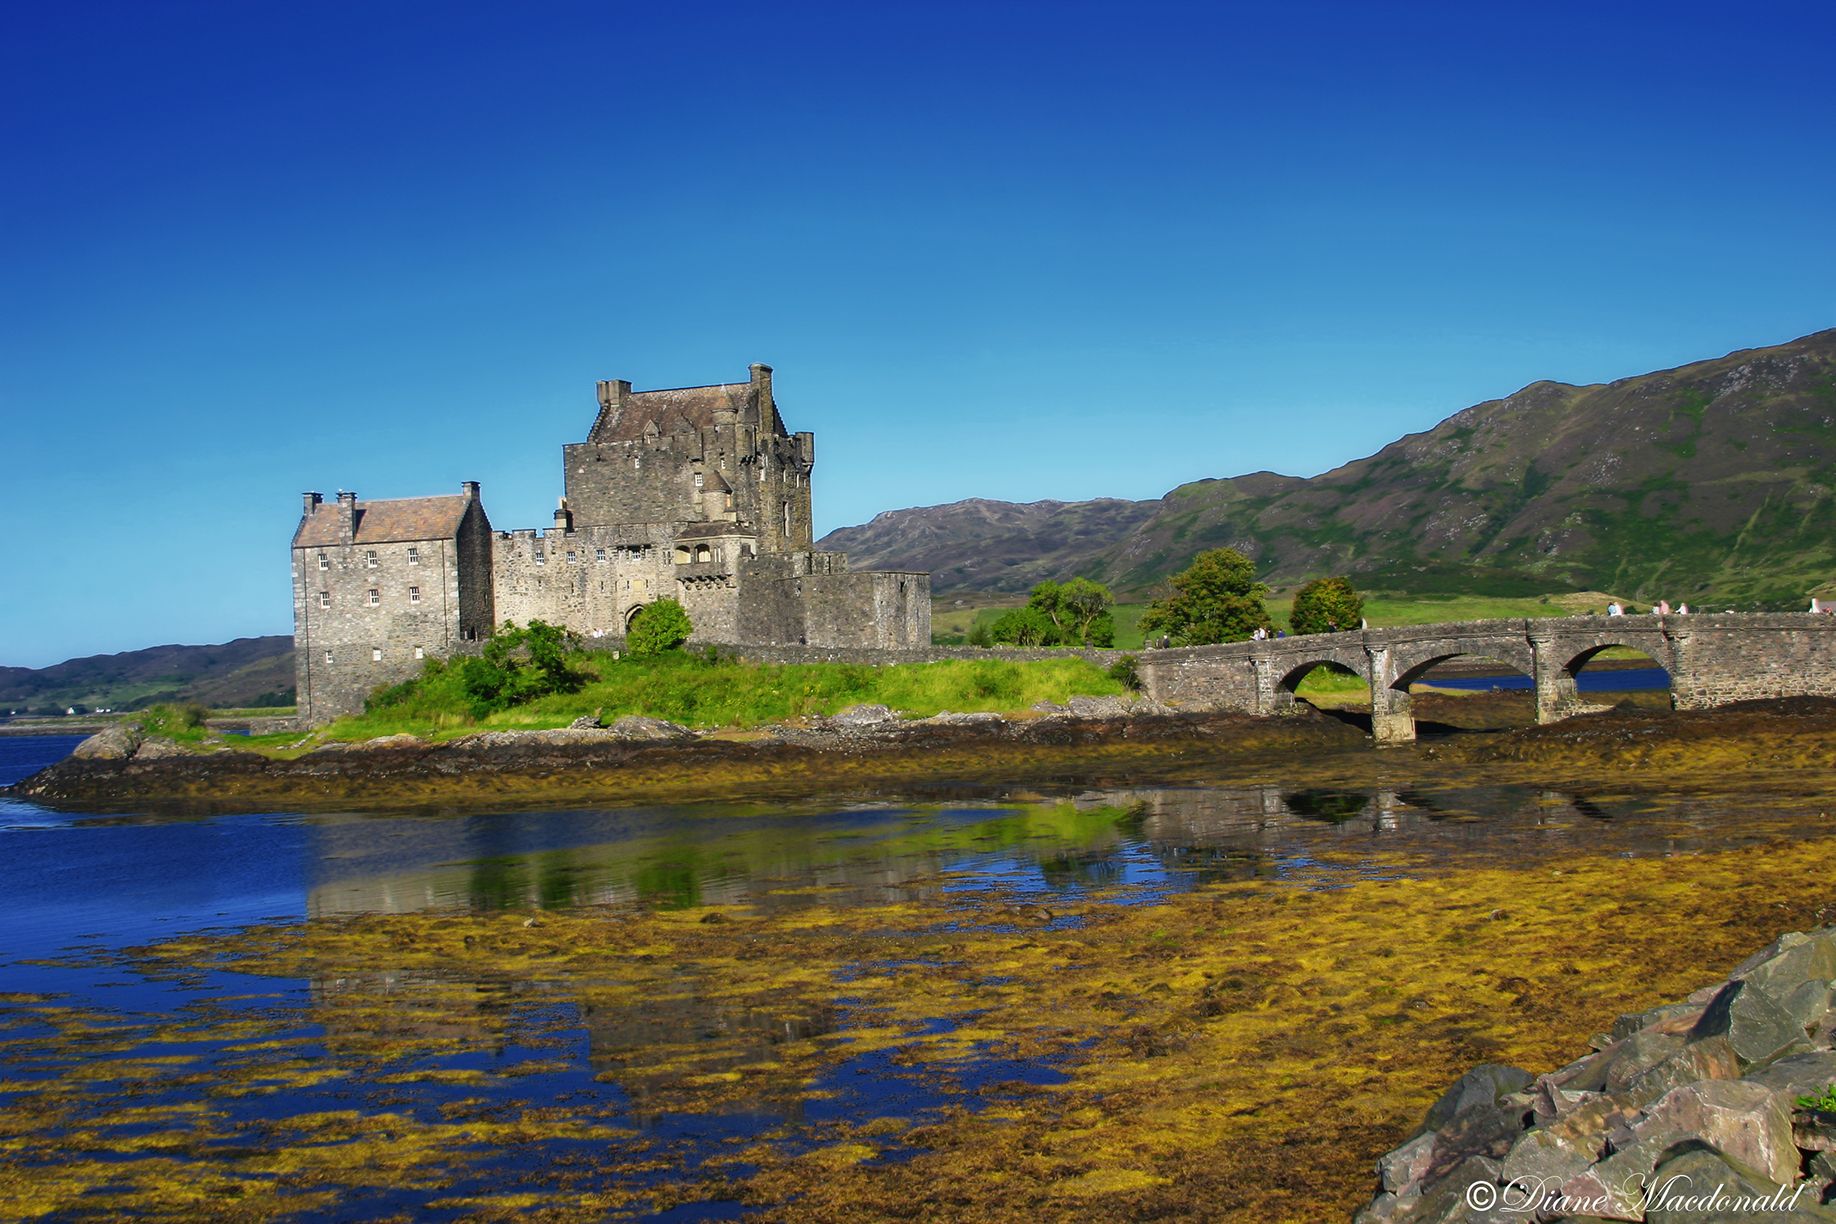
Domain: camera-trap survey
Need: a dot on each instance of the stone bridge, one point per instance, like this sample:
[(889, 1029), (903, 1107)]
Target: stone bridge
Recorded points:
[(1712, 660)]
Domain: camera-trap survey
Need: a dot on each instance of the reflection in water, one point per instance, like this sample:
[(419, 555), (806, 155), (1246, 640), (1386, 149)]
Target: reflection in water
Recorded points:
[(461, 1042)]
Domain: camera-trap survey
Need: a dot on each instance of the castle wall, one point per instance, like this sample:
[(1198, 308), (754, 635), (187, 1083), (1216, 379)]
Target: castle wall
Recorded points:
[(345, 646), (588, 579), (881, 609)]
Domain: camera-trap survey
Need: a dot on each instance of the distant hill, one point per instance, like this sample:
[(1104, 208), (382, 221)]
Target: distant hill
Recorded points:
[(254, 671), (1716, 480)]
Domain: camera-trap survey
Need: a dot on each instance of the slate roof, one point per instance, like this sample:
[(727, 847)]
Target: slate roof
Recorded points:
[(682, 410), (386, 522)]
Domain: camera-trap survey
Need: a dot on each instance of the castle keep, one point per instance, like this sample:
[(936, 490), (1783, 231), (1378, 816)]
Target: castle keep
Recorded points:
[(697, 494)]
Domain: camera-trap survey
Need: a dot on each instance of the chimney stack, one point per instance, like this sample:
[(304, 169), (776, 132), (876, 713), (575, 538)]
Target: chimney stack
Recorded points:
[(313, 501), (470, 489), (347, 516)]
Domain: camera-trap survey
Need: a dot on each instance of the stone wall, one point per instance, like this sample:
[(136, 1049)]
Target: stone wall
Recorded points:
[(346, 646)]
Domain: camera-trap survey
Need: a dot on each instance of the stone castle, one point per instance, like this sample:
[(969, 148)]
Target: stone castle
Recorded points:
[(698, 494)]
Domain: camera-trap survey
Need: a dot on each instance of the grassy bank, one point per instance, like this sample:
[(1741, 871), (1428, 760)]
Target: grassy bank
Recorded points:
[(695, 691)]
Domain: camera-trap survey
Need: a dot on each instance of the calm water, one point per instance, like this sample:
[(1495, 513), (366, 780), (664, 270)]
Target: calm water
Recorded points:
[(73, 888)]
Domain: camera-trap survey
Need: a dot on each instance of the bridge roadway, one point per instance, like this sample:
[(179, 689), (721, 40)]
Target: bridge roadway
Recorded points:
[(1712, 659)]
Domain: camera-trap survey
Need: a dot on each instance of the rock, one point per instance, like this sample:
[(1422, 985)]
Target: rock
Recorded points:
[(1637, 1054), (112, 743), (1798, 1075), (637, 727), (1482, 1086), (862, 716), (1697, 1185), (1050, 707), (1756, 1026), (1706, 1058), (1447, 1202), (1741, 1120), (1398, 1171), (975, 718), (1097, 707), (586, 722), (1539, 1159), (1670, 1018), (158, 747)]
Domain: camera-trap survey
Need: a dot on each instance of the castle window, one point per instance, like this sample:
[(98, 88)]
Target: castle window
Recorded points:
[(375, 597), (369, 558), (325, 599), (376, 654), (419, 653), (702, 552), (328, 657), (414, 555), (414, 594), (599, 555), (541, 558), (324, 562), (570, 556), (697, 480)]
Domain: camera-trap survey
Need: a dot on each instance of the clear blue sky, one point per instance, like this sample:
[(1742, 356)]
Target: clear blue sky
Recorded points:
[(1012, 251)]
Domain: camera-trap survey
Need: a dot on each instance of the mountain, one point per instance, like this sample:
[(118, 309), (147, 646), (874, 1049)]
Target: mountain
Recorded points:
[(1715, 480), (246, 672)]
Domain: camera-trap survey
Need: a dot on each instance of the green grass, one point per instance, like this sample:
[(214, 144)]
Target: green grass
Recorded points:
[(689, 689)]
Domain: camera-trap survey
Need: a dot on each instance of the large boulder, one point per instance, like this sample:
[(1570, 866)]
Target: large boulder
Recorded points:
[(1698, 1185), (116, 742)]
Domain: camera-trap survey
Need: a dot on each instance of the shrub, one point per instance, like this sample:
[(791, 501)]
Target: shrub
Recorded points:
[(1126, 671), (176, 720), (658, 627), (1326, 605)]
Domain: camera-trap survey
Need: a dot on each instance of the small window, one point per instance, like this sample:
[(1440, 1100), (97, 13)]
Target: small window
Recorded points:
[(414, 594), (375, 597), (541, 558), (414, 555), (369, 558), (627, 584), (325, 599), (570, 556), (599, 555), (376, 654), (419, 653), (324, 562), (697, 480), (328, 656)]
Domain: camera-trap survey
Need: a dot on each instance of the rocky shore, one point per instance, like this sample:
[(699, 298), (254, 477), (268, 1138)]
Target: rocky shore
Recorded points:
[(1687, 1112), (650, 759)]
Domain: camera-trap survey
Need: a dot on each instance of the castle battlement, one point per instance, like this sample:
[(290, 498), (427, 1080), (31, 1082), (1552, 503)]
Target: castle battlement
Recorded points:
[(698, 494)]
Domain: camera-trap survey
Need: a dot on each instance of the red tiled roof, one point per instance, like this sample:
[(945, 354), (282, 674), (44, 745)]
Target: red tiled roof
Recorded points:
[(385, 522)]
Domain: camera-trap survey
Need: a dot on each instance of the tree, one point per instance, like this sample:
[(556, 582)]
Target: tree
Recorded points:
[(1215, 599), (1079, 611), (658, 627), (1326, 605), (1026, 626)]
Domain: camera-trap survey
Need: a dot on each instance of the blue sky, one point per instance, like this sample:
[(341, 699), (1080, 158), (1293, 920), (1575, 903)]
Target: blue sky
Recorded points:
[(1011, 251)]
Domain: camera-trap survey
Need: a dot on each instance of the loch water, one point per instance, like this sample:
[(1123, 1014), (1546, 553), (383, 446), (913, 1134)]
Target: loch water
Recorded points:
[(77, 890)]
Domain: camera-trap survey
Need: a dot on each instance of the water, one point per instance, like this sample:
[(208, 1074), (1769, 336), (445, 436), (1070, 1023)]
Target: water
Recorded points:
[(1601, 680), (76, 891)]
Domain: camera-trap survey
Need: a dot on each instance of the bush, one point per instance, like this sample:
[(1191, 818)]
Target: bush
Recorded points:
[(1126, 671), (515, 666), (1326, 605), (658, 627)]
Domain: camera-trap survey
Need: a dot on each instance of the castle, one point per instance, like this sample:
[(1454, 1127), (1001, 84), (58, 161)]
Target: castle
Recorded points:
[(697, 494)]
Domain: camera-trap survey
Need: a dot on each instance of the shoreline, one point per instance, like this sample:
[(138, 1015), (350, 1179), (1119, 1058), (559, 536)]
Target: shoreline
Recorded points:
[(1750, 746)]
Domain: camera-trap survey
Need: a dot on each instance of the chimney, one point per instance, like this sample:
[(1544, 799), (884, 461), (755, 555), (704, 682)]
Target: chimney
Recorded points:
[(347, 516), (761, 385), (612, 393), (564, 518), (313, 501), (470, 489)]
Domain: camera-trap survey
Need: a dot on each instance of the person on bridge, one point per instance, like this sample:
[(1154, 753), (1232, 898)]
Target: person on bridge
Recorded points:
[(1613, 609)]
